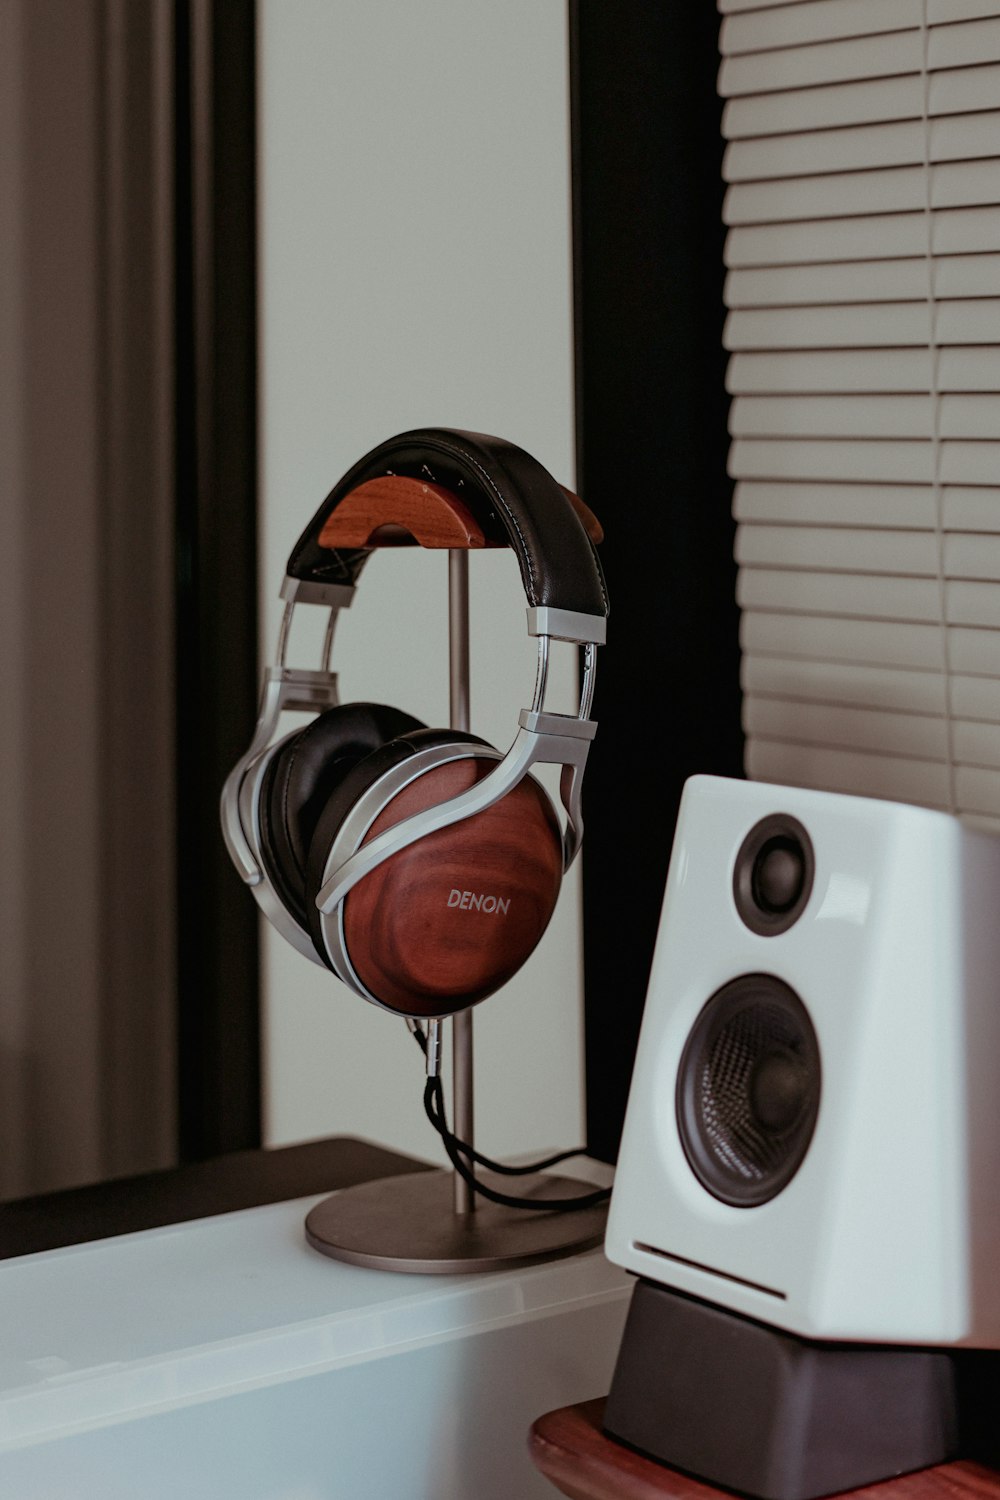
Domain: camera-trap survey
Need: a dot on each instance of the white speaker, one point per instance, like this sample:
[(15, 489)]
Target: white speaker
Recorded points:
[(812, 1137)]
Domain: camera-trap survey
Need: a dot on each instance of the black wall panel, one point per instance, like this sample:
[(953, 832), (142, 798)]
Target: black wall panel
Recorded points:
[(652, 441)]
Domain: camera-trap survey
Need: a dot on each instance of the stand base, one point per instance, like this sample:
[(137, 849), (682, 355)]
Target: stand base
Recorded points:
[(750, 1408), (409, 1224)]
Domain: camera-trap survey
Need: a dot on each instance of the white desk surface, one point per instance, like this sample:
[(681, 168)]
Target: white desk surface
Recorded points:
[(148, 1322)]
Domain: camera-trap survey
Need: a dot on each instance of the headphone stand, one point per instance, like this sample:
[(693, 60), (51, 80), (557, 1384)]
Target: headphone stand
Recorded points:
[(431, 1222)]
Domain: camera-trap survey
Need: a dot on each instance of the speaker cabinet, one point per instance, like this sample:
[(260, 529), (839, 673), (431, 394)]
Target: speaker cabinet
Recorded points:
[(812, 1137)]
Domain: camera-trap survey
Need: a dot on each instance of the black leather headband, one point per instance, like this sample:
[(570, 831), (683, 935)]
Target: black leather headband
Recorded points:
[(514, 499)]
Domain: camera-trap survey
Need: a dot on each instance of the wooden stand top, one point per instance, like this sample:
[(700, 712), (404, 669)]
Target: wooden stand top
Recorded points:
[(570, 1449), (397, 511)]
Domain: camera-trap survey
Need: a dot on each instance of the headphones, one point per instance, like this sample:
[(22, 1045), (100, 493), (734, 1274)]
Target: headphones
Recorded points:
[(420, 865)]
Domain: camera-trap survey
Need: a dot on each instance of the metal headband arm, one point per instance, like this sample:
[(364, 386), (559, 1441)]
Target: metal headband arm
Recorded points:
[(555, 738)]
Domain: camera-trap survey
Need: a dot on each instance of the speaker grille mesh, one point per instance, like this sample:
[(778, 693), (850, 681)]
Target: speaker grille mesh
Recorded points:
[(748, 1090), (725, 1082)]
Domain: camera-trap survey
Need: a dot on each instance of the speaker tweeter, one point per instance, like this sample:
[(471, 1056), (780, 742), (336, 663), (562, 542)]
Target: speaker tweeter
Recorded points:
[(773, 875)]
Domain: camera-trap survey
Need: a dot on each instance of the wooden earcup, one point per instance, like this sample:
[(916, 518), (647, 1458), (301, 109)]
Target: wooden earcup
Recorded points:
[(301, 776), (448, 920)]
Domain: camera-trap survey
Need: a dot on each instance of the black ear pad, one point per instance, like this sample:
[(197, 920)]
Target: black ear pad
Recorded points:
[(345, 795), (302, 774)]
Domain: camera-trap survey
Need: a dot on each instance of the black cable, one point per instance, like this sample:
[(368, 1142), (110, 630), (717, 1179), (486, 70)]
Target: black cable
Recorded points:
[(434, 1108), (486, 1161), (456, 1149), (440, 1124)]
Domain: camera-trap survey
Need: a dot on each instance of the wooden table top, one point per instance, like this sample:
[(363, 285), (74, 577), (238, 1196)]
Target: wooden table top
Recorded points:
[(569, 1448)]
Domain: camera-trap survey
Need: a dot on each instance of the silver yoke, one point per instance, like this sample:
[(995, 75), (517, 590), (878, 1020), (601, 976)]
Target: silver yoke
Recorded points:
[(284, 690)]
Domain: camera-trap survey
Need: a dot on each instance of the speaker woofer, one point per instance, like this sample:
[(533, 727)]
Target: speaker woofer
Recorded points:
[(748, 1090)]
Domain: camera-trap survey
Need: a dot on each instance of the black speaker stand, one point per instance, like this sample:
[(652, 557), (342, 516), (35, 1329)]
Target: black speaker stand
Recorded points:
[(751, 1408)]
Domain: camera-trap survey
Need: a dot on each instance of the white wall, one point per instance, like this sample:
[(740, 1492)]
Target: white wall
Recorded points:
[(415, 253)]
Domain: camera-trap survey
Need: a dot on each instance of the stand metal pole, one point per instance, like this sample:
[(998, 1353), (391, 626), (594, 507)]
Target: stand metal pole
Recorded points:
[(458, 661), (430, 1222)]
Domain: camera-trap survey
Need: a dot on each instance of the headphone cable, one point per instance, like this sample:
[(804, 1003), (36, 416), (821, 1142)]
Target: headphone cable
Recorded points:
[(457, 1150)]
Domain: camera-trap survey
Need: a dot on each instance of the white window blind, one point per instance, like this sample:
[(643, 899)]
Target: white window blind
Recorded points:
[(863, 289)]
